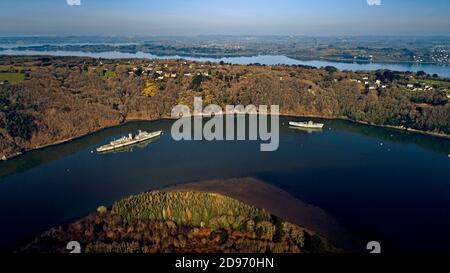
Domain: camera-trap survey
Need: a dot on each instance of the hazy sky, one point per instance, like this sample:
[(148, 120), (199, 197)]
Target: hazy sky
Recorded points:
[(191, 17)]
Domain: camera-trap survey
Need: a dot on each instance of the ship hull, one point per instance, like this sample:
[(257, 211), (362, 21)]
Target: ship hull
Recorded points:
[(109, 147), (306, 125)]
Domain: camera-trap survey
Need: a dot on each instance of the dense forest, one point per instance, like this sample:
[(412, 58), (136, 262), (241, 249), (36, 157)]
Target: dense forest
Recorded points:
[(181, 222), (59, 98)]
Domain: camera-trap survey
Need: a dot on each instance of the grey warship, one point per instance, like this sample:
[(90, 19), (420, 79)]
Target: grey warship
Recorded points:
[(128, 140)]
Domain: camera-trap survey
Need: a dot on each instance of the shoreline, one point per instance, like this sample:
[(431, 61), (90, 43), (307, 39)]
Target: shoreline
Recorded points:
[(60, 142), (248, 191), (398, 128), (260, 194), (364, 62), (217, 58), (64, 141)]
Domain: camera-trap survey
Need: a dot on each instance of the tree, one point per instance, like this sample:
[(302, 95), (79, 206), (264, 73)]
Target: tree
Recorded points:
[(421, 73), (150, 88), (331, 69), (20, 125), (197, 82)]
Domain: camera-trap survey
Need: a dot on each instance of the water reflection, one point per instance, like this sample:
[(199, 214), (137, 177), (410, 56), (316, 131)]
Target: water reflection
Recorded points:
[(53, 153), (436, 144), (377, 191), (306, 130), (44, 156)]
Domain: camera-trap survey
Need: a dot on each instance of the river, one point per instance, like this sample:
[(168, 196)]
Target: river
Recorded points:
[(381, 184), (441, 70)]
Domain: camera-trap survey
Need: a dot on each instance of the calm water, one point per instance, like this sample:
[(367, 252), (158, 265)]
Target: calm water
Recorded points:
[(441, 70), (381, 184)]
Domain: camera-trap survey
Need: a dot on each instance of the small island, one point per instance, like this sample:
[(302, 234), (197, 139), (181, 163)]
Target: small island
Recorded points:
[(183, 222)]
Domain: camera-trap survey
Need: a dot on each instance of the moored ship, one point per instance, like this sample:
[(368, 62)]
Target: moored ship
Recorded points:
[(128, 140), (309, 124)]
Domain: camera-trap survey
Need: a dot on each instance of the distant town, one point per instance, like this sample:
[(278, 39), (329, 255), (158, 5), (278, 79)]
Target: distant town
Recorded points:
[(365, 49)]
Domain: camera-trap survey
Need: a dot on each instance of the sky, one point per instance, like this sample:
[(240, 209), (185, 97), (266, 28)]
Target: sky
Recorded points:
[(230, 17)]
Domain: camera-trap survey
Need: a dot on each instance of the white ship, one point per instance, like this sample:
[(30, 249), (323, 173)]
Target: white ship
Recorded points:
[(128, 140), (308, 124)]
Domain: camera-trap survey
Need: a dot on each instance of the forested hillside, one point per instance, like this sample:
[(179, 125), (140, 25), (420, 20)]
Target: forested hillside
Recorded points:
[(53, 99)]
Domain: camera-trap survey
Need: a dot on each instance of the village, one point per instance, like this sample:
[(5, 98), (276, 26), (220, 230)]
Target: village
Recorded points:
[(415, 82), (173, 69), (160, 71)]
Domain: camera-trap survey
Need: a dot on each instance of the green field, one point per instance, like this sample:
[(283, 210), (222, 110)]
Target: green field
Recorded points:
[(12, 77)]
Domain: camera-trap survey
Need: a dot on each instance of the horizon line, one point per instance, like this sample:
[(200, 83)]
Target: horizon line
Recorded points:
[(229, 35)]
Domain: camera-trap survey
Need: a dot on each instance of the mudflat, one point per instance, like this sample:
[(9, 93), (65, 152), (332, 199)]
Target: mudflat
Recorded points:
[(259, 194)]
